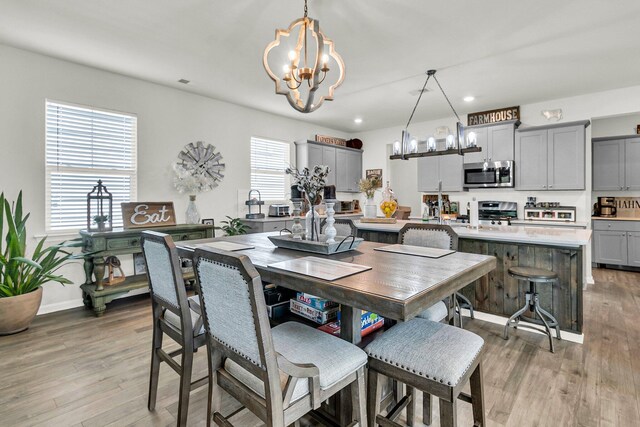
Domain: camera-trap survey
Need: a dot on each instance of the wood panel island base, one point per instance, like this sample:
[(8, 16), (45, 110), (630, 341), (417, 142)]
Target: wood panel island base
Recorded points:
[(559, 250)]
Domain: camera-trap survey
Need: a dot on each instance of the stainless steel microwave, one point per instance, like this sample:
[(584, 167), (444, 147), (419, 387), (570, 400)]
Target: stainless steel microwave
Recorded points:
[(488, 174)]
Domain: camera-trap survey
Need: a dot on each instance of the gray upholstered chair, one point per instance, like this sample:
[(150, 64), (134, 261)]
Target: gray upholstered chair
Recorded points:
[(174, 315), (433, 357), (343, 226), (279, 374)]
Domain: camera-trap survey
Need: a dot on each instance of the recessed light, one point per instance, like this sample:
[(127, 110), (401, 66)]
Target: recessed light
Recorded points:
[(357, 121), (468, 98), (184, 81)]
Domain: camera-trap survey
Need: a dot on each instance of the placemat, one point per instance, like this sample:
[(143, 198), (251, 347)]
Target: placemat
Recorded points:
[(320, 268), (227, 246), (415, 250)]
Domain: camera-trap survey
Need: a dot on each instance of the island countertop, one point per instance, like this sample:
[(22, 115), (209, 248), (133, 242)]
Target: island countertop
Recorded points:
[(514, 233)]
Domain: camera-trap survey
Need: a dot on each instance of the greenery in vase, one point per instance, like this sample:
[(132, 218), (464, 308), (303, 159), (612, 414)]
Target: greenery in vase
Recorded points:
[(368, 186), (20, 274), (233, 227), (312, 183), (100, 219)]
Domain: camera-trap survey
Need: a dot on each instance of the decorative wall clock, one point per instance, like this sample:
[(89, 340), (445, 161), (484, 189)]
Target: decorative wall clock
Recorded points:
[(198, 168)]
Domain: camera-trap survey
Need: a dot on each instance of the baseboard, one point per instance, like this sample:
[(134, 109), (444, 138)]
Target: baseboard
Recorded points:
[(500, 320), (59, 306)]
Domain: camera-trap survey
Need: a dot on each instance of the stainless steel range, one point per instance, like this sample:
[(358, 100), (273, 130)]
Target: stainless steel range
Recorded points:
[(496, 212)]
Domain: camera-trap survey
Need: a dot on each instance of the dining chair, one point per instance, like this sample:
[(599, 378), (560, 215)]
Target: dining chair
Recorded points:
[(174, 315), (278, 374), (343, 226)]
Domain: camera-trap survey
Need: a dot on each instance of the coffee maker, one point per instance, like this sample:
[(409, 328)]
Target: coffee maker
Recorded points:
[(606, 207)]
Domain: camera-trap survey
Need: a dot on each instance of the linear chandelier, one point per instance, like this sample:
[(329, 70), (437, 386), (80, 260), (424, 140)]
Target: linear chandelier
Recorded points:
[(409, 145), (306, 56)]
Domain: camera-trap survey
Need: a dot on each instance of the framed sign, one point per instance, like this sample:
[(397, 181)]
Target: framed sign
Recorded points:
[(148, 214), (493, 116), (375, 173), (332, 140)]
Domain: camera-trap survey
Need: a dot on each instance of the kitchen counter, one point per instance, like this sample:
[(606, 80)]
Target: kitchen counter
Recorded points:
[(290, 218), (557, 236), (615, 218)]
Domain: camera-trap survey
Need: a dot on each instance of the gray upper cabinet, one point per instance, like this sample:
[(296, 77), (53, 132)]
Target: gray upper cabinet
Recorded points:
[(428, 174), (495, 140), (531, 160), (447, 169), (616, 164), (345, 163), (608, 165), (551, 157)]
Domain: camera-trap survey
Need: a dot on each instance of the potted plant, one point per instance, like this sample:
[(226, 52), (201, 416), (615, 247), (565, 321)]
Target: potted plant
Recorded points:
[(100, 221), (368, 186), (312, 183), (22, 277), (233, 227)]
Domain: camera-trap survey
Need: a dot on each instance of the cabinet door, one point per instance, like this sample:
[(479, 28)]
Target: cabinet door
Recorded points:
[(329, 159), (314, 156), (632, 164), (342, 176), (450, 171), (354, 170), (610, 247), (500, 139), (566, 158), (633, 248), (608, 165), (482, 142), (428, 174), (531, 160)]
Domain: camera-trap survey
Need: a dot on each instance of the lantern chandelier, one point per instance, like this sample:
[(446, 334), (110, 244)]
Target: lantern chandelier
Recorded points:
[(307, 58)]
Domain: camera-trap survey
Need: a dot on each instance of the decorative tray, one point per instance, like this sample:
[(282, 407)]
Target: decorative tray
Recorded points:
[(379, 220), (341, 244)]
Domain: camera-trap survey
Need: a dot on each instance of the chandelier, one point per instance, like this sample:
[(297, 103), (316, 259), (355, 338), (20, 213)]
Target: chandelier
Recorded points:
[(307, 58)]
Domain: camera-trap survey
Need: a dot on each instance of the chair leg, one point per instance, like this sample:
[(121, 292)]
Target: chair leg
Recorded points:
[(426, 408), (185, 383), (155, 366), (374, 394), (458, 312), (554, 322), (466, 303), (515, 317), (411, 407), (359, 399), (477, 397), (546, 326), (448, 415), (214, 403)]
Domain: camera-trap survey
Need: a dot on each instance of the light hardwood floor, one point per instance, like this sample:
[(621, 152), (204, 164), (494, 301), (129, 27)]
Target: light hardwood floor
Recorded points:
[(72, 369)]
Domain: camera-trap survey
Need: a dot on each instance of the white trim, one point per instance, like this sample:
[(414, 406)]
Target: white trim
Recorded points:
[(500, 320), (59, 306)]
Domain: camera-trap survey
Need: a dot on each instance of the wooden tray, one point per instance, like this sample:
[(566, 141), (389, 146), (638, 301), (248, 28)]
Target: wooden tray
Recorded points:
[(322, 247), (379, 220)]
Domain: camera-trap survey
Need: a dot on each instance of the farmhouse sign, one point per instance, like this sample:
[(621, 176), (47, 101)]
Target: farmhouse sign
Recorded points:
[(628, 207), (331, 140), (148, 214), (493, 116)]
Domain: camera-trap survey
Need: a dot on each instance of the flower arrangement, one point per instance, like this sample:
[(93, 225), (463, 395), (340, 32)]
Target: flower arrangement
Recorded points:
[(192, 180), (368, 186), (312, 183)]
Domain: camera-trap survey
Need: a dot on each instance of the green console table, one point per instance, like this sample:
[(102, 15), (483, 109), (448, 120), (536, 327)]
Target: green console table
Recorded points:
[(101, 244)]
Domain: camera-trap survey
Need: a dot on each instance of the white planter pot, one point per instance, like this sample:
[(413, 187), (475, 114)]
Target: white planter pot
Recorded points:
[(370, 209)]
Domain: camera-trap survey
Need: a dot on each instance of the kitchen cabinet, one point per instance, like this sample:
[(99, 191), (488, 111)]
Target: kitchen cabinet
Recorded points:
[(447, 169), (633, 248), (345, 163), (616, 164), (496, 141), (616, 242), (551, 157)]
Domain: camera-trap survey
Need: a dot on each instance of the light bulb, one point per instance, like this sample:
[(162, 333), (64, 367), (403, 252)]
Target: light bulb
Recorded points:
[(472, 139), (396, 147), (292, 55), (325, 59), (285, 68), (450, 141), (431, 143)]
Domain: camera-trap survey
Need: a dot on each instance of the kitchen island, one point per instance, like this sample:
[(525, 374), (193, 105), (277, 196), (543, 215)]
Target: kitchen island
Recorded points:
[(562, 250)]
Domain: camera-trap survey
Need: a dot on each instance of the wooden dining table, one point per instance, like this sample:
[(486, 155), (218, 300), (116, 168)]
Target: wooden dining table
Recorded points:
[(397, 287)]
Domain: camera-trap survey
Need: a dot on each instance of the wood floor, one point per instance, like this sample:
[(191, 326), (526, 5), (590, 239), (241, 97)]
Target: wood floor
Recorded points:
[(72, 369)]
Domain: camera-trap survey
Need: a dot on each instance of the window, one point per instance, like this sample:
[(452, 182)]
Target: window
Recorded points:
[(269, 159), (84, 145)]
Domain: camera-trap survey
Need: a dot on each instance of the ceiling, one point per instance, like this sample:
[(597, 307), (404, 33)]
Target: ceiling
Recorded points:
[(503, 52)]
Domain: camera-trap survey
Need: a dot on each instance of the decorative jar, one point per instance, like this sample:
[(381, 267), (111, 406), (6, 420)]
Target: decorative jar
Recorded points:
[(389, 203)]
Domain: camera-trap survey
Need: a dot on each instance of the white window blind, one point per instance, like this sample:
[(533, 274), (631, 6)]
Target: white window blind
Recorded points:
[(84, 145), (269, 159)]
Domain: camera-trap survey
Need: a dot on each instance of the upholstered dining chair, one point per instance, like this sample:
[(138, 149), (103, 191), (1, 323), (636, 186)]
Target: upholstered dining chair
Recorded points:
[(343, 226), (174, 315), (278, 374)]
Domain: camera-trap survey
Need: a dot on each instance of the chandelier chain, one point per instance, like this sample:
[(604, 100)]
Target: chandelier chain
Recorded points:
[(446, 97), (305, 8), (418, 101)]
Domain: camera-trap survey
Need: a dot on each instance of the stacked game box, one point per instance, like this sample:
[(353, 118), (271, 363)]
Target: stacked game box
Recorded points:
[(369, 323), (310, 307)]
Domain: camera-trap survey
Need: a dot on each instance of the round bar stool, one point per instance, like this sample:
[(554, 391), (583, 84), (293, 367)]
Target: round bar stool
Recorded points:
[(534, 276)]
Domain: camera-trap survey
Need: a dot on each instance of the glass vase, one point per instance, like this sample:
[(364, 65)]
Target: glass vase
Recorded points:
[(389, 203), (192, 215), (370, 209), (312, 224)]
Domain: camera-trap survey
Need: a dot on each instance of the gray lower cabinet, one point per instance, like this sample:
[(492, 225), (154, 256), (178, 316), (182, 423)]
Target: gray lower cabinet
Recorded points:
[(345, 163), (447, 169), (616, 242), (633, 248), (257, 226), (616, 164), (551, 157)]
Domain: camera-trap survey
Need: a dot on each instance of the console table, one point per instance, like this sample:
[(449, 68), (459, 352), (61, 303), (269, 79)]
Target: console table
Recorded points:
[(101, 244)]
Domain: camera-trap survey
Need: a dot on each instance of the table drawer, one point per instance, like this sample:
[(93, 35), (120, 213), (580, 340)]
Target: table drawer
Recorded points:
[(273, 226), (188, 236), (123, 243), (603, 225)]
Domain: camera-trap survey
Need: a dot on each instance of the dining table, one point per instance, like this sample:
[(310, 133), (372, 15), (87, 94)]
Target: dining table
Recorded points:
[(396, 286)]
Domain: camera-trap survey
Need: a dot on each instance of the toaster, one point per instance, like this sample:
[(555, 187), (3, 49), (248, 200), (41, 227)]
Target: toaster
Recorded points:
[(278, 210)]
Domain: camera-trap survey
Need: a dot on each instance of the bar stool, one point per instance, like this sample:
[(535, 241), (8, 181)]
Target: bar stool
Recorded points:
[(534, 276)]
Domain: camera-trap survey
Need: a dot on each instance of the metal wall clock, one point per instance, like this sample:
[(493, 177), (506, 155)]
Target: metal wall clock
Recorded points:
[(200, 166)]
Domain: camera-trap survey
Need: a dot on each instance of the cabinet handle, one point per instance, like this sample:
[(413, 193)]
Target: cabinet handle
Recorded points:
[(627, 187), (550, 186), (544, 186), (622, 188)]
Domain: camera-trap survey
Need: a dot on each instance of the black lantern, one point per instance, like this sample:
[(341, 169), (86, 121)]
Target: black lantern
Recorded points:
[(99, 209)]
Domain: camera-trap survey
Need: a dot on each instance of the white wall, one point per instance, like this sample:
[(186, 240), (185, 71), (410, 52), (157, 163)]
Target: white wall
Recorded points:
[(616, 126), (167, 120)]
